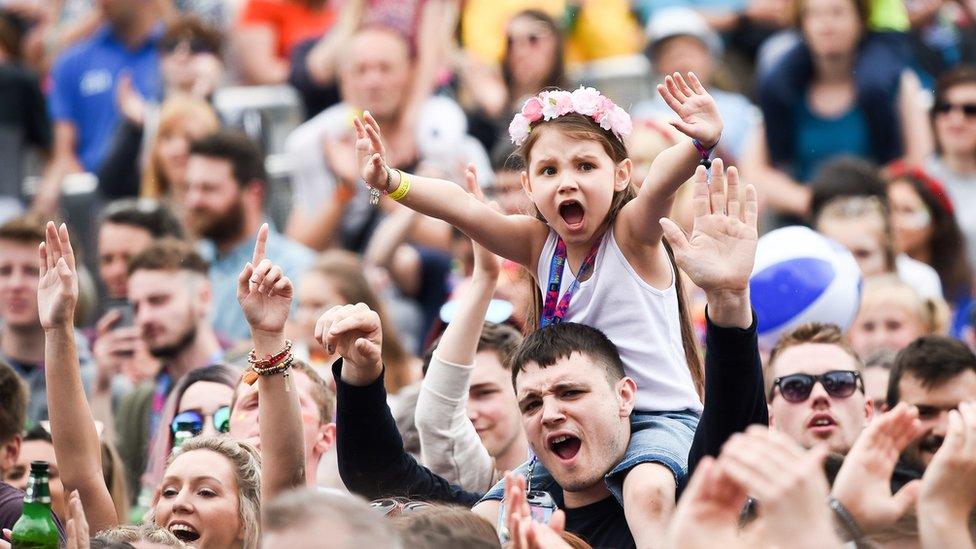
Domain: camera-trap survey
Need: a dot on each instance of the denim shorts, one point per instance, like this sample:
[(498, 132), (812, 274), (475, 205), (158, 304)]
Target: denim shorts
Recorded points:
[(655, 437)]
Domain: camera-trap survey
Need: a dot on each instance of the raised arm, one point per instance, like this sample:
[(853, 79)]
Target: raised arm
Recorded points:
[(73, 431), (265, 295), (449, 444), (718, 257), (372, 461), (518, 238), (698, 119)]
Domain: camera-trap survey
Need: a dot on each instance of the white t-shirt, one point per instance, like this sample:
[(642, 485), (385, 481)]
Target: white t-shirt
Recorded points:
[(641, 320)]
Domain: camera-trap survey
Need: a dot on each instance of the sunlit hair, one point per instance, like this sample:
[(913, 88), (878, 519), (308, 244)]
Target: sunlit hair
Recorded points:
[(810, 332), (173, 117), (345, 271), (847, 208), (246, 461), (580, 127), (887, 291), (162, 441)]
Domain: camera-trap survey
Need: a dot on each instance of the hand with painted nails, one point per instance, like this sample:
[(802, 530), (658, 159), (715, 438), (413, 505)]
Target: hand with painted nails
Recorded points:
[(698, 114), (57, 289), (355, 333), (263, 291)]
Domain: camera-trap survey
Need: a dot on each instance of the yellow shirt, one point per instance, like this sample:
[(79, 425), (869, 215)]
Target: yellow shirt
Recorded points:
[(603, 28)]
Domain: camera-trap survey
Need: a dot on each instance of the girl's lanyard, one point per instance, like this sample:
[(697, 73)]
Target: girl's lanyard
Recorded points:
[(554, 308)]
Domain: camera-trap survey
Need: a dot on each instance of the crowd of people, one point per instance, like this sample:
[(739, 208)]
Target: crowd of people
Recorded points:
[(508, 301)]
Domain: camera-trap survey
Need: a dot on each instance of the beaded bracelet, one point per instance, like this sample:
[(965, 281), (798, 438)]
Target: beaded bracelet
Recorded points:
[(271, 365)]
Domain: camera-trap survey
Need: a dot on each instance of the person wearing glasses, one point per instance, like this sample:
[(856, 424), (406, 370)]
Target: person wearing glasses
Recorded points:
[(954, 121), (817, 394), (199, 404)]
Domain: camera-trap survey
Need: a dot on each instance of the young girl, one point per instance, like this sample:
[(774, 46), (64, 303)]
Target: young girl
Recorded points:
[(596, 251)]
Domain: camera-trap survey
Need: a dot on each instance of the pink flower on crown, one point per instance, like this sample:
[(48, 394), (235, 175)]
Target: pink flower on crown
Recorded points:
[(620, 122), (564, 103), (586, 101), (532, 109), (604, 106), (518, 130)]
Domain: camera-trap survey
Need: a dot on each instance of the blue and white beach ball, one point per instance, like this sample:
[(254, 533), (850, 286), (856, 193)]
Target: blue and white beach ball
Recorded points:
[(802, 276)]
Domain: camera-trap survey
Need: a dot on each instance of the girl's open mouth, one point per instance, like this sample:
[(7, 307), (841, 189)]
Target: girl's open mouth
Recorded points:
[(571, 212)]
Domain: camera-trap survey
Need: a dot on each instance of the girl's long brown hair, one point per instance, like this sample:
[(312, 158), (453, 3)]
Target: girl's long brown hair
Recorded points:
[(580, 127), (345, 270)]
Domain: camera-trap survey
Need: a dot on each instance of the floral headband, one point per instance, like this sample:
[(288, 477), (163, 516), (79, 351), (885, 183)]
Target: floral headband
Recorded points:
[(585, 101)]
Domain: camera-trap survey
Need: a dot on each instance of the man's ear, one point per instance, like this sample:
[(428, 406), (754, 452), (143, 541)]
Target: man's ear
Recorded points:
[(9, 452), (326, 439), (623, 173), (869, 410), (627, 395)]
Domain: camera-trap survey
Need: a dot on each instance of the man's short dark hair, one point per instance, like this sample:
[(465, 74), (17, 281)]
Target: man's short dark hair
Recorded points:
[(147, 214), (192, 29), (169, 254), (36, 433), (246, 159), (13, 403), (933, 360), (555, 342)]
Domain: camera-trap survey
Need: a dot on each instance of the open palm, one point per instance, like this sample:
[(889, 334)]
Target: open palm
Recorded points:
[(57, 289), (720, 253), (370, 152), (698, 113), (263, 291)]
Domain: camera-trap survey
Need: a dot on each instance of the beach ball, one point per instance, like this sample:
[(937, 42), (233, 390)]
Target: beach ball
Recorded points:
[(802, 276)]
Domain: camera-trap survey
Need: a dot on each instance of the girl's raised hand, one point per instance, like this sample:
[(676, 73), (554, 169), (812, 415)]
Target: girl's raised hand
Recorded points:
[(370, 151), (699, 116), (263, 290)]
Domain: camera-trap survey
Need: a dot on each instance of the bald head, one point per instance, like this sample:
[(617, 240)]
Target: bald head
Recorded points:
[(376, 72)]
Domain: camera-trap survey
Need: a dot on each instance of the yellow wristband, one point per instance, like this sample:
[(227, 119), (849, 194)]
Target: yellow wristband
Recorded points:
[(402, 189)]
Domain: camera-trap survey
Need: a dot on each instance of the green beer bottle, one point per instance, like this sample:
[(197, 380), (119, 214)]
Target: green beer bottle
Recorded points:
[(35, 529)]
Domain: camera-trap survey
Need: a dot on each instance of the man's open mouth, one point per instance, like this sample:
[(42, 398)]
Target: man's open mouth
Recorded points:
[(572, 212), (565, 446)]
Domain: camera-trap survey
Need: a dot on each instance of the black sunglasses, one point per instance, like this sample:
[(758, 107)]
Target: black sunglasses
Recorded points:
[(195, 44), (797, 387), (189, 423), (968, 109)]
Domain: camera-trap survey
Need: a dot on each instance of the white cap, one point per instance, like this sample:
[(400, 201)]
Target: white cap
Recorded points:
[(678, 21)]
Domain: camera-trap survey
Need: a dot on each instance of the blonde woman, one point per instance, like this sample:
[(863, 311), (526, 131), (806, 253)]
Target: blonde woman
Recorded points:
[(893, 314)]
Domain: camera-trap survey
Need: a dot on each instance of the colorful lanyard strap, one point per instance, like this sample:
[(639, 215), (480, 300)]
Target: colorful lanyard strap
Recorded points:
[(554, 308), (160, 393)]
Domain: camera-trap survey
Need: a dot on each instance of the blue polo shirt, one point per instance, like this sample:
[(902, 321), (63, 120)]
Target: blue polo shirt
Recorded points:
[(84, 79)]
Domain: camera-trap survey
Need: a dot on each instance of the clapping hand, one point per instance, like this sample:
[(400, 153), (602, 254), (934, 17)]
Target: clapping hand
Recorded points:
[(708, 513), (863, 484), (263, 291), (948, 491), (354, 331), (57, 289), (698, 113)]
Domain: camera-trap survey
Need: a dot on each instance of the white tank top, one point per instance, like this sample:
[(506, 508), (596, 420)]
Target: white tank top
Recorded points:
[(641, 320)]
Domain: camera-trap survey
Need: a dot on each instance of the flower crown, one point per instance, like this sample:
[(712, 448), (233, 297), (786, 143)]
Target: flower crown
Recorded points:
[(585, 101)]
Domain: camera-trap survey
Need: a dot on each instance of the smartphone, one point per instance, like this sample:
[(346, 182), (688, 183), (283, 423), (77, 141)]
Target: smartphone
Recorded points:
[(541, 507), (127, 313)]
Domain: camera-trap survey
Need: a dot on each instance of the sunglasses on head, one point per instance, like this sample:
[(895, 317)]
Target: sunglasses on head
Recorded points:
[(797, 387), (195, 44), (189, 423), (968, 109)]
